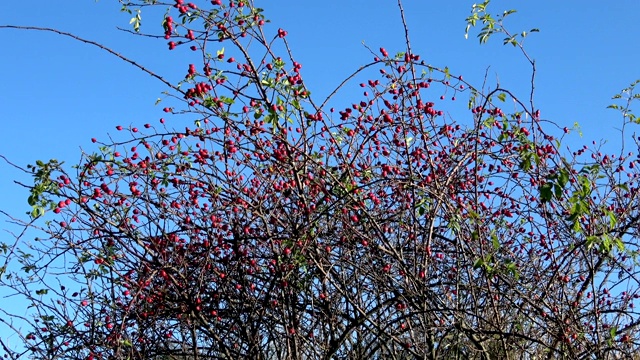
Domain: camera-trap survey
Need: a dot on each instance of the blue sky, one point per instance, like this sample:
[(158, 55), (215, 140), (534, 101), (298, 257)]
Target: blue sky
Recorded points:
[(56, 93)]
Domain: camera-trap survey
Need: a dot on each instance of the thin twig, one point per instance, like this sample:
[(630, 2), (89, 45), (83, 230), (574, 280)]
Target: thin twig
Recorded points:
[(90, 42)]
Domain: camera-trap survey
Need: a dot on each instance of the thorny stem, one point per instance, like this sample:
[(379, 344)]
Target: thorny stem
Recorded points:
[(90, 42)]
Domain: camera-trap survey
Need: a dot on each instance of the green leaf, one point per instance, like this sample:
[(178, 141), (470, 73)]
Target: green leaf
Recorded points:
[(502, 97), (136, 21), (612, 219), (227, 100), (623, 187), (37, 212), (546, 192), (478, 264), (408, 140), (495, 241), (510, 40), (272, 119), (563, 178), (585, 188), (576, 227), (513, 269), (557, 191)]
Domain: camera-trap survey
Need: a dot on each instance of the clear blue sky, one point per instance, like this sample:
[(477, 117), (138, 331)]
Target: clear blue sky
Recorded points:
[(56, 93)]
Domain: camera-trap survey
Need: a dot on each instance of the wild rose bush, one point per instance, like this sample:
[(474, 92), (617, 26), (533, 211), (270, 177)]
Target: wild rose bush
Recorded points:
[(275, 227)]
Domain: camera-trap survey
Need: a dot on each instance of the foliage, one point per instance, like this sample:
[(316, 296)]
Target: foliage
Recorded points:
[(278, 228)]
